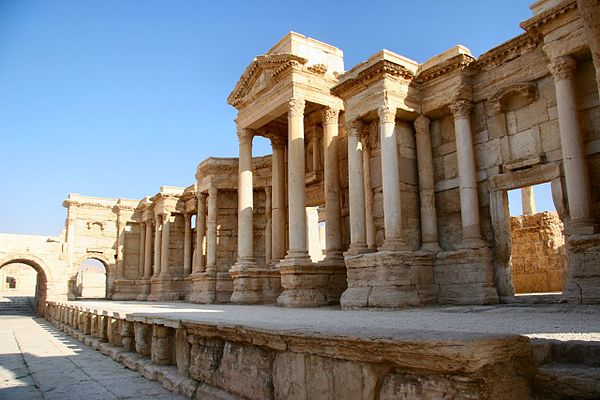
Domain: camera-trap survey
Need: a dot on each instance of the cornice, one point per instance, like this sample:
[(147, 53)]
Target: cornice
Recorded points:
[(460, 61), (376, 71), (547, 16), (88, 204), (509, 50)]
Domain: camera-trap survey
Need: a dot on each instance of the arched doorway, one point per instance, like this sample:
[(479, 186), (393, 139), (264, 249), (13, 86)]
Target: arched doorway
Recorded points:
[(24, 279), (90, 282)]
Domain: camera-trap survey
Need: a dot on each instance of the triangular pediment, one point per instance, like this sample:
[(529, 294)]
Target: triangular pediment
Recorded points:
[(261, 74)]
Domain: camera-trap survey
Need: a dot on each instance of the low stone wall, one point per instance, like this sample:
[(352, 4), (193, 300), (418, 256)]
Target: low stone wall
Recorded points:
[(539, 260), (220, 361)]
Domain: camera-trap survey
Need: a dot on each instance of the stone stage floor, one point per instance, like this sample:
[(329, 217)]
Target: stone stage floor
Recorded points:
[(550, 321)]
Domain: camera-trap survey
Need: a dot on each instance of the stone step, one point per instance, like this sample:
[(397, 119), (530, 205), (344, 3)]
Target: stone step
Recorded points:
[(567, 381), (566, 352)]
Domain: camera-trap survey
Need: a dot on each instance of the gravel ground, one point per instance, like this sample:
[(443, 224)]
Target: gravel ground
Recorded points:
[(556, 321)]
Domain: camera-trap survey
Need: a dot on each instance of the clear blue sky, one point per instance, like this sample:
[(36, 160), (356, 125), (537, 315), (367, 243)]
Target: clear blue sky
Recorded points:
[(114, 98)]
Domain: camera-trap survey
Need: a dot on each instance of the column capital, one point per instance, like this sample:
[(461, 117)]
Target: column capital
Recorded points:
[(354, 128), (422, 124), (296, 106), (201, 196), (562, 67), (245, 135), (278, 142), (165, 216), (461, 108), (386, 113), (330, 115), (212, 192)]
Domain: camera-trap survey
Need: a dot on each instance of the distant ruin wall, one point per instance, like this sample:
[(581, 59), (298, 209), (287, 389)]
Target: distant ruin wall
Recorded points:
[(539, 261)]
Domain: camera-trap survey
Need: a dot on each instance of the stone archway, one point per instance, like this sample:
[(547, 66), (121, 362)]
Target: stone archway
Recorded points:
[(102, 259), (44, 276)]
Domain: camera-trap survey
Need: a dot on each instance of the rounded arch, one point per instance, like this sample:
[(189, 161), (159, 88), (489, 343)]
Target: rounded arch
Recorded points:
[(44, 274), (90, 286)]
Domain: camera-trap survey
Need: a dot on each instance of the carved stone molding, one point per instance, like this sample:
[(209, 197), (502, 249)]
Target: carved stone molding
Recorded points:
[(562, 68), (461, 108), (330, 115), (526, 90), (278, 142), (296, 107), (245, 136), (422, 125), (102, 224), (386, 113)]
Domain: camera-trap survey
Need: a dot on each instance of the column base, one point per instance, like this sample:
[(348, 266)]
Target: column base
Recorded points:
[(306, 284), (145, 284), (394, 245), (254, 285), (583, 284), (389, 280), (472, 242), (168, 289), (466, 276), (430, 247), (201, 287), (586, 226), (356, 249)]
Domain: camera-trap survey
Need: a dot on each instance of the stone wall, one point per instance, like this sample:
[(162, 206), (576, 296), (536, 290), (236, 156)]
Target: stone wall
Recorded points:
[(25, 280), (539, 260)]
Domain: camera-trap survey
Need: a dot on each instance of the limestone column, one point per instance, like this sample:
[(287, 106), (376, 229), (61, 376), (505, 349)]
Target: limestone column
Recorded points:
[(528, 200), (358, 235), (369, 221), (392, 217), (165, 241), (278, 199), (120, 246), (157, 244), (429, 230), (296, 182), (211, 238), (245, 199), (469, 202), (268, 226), (148, 251), (71, 223), (200, 232), (187, 244), (333, 231), (571, 141), (142, 253)]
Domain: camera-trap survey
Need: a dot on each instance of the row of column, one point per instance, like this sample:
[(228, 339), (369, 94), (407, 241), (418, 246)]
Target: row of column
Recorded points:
[(276, 234)]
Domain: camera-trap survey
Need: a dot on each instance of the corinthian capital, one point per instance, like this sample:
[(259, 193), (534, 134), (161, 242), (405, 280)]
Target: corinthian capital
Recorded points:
[(277, 142), (296, 107), (422, 125), (330, 115), (245, 136), (354, 128), (386, 113), (461, 108), (562, 67)]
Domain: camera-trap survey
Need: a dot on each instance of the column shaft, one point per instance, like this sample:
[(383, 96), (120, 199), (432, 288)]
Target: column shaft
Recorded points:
[(142, 252), (120, 247), (200, 233), (528, 200), (187, 245), (278, 207), (333, 234), (268, 226), (165, 241), (245, 199), (157, 244), (211, 238), (369, 221), (148, 251), (296, 181), (358, 233)]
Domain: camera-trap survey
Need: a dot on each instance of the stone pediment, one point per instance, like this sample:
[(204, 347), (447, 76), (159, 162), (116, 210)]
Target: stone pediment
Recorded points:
[(262, 74)]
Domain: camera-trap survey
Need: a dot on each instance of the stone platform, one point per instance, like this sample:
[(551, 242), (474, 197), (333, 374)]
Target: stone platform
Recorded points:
[(263, 352)]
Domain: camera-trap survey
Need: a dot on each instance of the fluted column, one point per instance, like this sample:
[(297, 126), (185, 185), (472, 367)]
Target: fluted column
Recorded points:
[(392, 217), (429, 230), (187, 244), (148, 251), (278, 200), (571, 141), (528, 200), (369, 221), (268, 226), (142, 252), (296, 181), (165, 241), (245, 199), (157, 244), (469, 202), (333, 231), (200, 233), (211, 234), (358, 235)]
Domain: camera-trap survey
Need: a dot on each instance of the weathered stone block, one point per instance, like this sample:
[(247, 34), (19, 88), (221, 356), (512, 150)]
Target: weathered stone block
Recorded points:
[(143, 338)]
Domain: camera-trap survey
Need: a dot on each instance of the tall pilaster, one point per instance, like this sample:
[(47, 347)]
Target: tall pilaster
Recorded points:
[(211, 234), (120, 246), (165, 241), (390, 175), (187, 244), (200, 233), (245, 200), (296, 182), (333, 236), (157, 244), (358, 235), (148, 251), (71, 222), (469, 202), (278, 206), (528, 200), (571, 141), (268, 226), (369, 220), (429, 230), (142, 252)]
